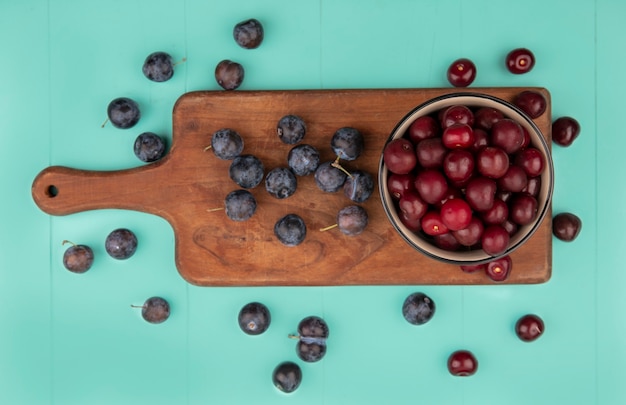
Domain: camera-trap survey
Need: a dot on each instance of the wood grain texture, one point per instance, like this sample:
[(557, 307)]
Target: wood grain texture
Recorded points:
[(212, 250)]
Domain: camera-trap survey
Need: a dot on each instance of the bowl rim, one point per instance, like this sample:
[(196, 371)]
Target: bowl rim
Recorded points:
[(529, 230)]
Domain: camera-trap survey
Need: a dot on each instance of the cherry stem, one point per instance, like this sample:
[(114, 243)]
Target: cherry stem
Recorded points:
[(137, 306), (292, 336), (183, 60), (104, 123), (336, 165), (207, 148), (214, 209), (328, 228), (67, 241)]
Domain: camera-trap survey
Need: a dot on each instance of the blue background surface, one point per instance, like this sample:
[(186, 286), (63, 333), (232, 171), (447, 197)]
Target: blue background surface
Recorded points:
[(72, 339)]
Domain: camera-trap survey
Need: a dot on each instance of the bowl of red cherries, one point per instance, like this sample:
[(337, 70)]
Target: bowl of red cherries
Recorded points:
[(466, 178)]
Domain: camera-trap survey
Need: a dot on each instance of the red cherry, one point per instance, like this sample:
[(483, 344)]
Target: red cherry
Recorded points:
[(514, 180), (424, 127), (492, 162), (520, 60), (470, 235), (566, 226), (480, 193), (461, 72), (485, 117), (399, 156), (472, 268), (456, 214), (398, 184), (458, 136), (458, 165), (457, 114), (523, 209), (498, 270), (531, 160), (462, 363), (432, 225), (412, 206), (497, 214), (565, 130), (495, 240), (446, 241), (431, 185), (529, 327), (531, 102), (507, 134), (430, 153), (414, 225)]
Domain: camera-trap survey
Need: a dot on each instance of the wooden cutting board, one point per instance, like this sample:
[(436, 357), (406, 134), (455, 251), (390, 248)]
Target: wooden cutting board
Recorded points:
[(212, 250)]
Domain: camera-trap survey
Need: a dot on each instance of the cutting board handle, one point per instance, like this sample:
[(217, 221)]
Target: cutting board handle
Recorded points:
[(59, 190)]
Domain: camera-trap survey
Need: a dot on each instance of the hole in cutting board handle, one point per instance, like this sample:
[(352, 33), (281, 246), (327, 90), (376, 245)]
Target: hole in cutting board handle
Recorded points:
[(52, 191)]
